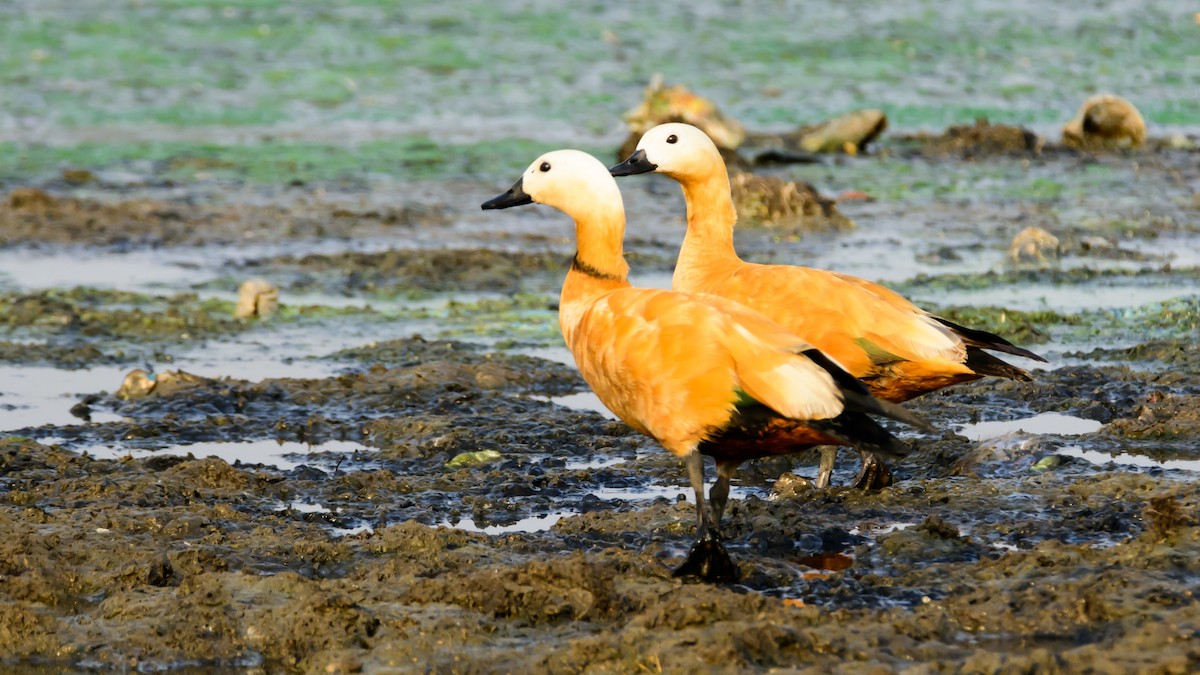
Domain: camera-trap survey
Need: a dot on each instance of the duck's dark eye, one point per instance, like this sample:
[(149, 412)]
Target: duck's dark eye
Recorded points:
[(672, 139), (544, 167)]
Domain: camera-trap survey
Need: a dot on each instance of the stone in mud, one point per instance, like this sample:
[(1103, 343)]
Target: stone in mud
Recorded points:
[(661, 104), (1034, 246), (472, 459), (257, 298), (849, 133), (1105, 122), (78, 176), (139, 383), (789, 486)]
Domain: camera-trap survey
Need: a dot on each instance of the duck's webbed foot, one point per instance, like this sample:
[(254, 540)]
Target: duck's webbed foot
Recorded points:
[(874, 475), (708, 561)]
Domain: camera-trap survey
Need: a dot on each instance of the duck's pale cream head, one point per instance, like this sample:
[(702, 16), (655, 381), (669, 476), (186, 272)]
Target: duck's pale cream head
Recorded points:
[(678, 150), (571, 181)]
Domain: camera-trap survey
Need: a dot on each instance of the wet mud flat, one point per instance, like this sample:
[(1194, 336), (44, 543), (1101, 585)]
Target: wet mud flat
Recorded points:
[(325, 491)]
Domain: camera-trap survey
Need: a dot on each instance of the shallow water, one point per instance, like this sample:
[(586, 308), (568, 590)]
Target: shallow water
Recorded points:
[(40, 395), (282, 455), (1045, 423), (1128, 459)]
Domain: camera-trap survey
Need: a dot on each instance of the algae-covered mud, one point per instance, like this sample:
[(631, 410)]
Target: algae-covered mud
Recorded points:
[(401, 471)]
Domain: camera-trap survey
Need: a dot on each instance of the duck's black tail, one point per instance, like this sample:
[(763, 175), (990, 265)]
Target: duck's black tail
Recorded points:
[(854, 426), (985, 364), (859, 399), (985, 340)]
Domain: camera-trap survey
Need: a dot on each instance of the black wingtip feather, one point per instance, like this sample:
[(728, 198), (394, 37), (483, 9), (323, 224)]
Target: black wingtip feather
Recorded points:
[(859, 398), (986, 340), (985, 364), (843, 379)]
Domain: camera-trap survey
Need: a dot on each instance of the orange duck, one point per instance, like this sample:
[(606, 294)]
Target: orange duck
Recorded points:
[(698, 373), (896, 348)]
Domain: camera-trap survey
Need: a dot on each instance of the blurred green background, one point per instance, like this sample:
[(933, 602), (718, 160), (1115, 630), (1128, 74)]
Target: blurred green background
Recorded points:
[(272, 91)]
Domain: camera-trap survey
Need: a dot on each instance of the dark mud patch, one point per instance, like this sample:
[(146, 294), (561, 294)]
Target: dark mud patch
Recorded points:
[(68, 355), (190, 408), (982, 555), (417, 273), (33, 216), (91, 312), (412, 271), (263, 586)]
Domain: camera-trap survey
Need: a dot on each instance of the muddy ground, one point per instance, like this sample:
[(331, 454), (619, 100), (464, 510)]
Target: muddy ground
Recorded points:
[(446, 512)]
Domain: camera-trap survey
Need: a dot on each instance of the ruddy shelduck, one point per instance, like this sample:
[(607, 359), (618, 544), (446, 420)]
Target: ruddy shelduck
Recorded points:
[(896, 348), (700, 374)]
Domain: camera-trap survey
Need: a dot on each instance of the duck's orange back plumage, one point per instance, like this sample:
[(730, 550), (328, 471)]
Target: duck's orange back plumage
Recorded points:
[(898, 349)]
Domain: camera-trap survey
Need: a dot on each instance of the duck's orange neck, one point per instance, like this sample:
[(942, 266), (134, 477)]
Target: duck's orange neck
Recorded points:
[(708, 243), (599, 264)]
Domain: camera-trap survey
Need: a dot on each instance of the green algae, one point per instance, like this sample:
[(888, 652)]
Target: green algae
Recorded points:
[(269, 65), (82, 327), (522, 319), (276, 163), (1019, 327), (1050, 276), (90, 312)]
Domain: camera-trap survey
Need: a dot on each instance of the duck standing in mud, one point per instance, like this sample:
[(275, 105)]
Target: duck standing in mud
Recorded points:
[(700, 374), (897, 349)]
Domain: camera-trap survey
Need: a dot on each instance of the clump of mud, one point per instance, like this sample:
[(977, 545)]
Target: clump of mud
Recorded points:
[(978, 140), (769, 201)]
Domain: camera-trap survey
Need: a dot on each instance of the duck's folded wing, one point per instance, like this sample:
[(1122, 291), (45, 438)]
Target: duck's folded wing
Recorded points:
[(843, 315)]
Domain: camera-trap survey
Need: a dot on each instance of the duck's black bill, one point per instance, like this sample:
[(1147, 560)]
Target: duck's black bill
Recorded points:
[(514, 197), (637, 163)]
